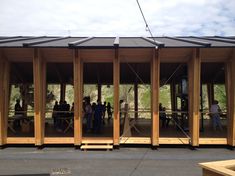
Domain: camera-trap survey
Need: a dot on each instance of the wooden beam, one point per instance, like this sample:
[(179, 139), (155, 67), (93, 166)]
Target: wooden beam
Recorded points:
[(136, 99), (39, 70), (155, 81), (210, 92), (62, 91), (4, 97), (230, 91), (194, 66), (99, 91), (78, 96), (116, 113)]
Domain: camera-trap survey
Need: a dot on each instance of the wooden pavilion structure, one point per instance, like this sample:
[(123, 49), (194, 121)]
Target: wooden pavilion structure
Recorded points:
[(113, 51)]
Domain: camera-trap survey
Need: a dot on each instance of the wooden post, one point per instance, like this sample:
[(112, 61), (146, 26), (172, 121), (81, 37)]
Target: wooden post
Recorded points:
[(136, 99), (155, 72), (230, 91), (99, 91), (173, 98), (78, 95), (39, 69), (194, 67), (116, 116), (62, 91), (4, 98), (210, 92)]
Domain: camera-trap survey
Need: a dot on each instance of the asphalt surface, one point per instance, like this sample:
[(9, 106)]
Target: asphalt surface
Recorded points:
[(123, 162)]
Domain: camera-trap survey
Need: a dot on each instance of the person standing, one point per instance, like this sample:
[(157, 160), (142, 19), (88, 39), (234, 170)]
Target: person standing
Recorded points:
[(215, 115), (98, 117)]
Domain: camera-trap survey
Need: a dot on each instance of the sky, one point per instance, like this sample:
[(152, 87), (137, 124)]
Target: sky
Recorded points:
[(117, 17)]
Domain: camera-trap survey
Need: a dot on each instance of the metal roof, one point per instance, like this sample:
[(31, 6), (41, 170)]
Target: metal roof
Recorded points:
[(114, 42)]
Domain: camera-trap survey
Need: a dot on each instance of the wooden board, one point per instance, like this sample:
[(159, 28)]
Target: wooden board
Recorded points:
[(173, 141), (135, 140), (58, 140), (230, 91), (213, 141), (116, 113), (78, 95), (218, 168), (194, 66), (155, 96), (39, 99), (20, 140)]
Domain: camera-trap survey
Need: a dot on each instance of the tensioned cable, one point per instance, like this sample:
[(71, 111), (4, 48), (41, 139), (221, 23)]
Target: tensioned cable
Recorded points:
[(145, 21), (172, 74)]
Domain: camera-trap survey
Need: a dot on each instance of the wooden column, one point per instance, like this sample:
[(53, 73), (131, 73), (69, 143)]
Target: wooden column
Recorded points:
[(116, 116), (230, 91), (194, 69), (173, 99), (99, 91), (39, 70), (78, 96), (155, 81), (136, 99), (62, 91), (210, 92), (4, 98)]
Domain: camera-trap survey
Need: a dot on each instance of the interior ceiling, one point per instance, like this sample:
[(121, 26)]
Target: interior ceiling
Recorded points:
[(94, 73)]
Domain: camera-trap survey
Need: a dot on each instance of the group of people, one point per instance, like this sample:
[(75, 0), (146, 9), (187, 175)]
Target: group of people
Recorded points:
[(94, 114), (61, 110)]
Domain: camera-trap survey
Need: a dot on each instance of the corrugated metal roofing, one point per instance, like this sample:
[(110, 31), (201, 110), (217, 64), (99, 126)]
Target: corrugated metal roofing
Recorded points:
[(135, 42), (213, 43), (21, 41), (112, 42), (106, 42), (59, 43), (174, 43)]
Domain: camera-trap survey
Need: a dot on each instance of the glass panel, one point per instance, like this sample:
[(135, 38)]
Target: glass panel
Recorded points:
[(21, 110)]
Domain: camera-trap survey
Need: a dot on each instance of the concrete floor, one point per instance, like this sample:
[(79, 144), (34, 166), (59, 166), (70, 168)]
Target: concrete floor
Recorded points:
[(123, 162)]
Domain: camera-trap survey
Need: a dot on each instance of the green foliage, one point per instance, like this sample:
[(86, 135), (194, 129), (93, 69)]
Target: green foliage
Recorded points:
[(220, 95), (165, 96)]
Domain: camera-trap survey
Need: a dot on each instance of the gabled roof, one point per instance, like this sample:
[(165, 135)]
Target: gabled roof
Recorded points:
[(114, 42)]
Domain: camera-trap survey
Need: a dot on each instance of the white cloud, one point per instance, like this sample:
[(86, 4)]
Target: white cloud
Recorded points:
[(112, 18)]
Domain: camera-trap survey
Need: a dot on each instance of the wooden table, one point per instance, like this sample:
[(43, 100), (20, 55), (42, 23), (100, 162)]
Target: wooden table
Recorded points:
[(218, 168)]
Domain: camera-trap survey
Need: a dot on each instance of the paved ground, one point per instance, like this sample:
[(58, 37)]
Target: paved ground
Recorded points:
[(123, 162)]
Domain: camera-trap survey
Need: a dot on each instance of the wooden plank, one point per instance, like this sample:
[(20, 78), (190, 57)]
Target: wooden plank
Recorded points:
[(20, 140), (219, 168), (155, 96), (97, 140), (78, 95), (230, 91), (58, 140), (135, 140), (116, 111), (39, 115), (2, 119), (194, 66), (213, 141), (173, 141), (4, 93), (107, 147)]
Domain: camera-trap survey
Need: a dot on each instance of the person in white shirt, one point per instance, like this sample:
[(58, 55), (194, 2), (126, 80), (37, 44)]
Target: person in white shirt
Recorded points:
[(215, 115)]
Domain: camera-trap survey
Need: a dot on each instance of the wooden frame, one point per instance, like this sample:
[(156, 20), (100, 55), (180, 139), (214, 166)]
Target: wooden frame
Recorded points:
[(116, 111), (39, 70), (155, 76), (194, 67), (218, 168), (116, 56), (78, 95), (230, 90)]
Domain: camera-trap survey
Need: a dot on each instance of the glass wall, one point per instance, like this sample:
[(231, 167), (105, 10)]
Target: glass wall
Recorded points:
[(173, 101), (59, 100), (135, 100), (21, 105), (213, 122)]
